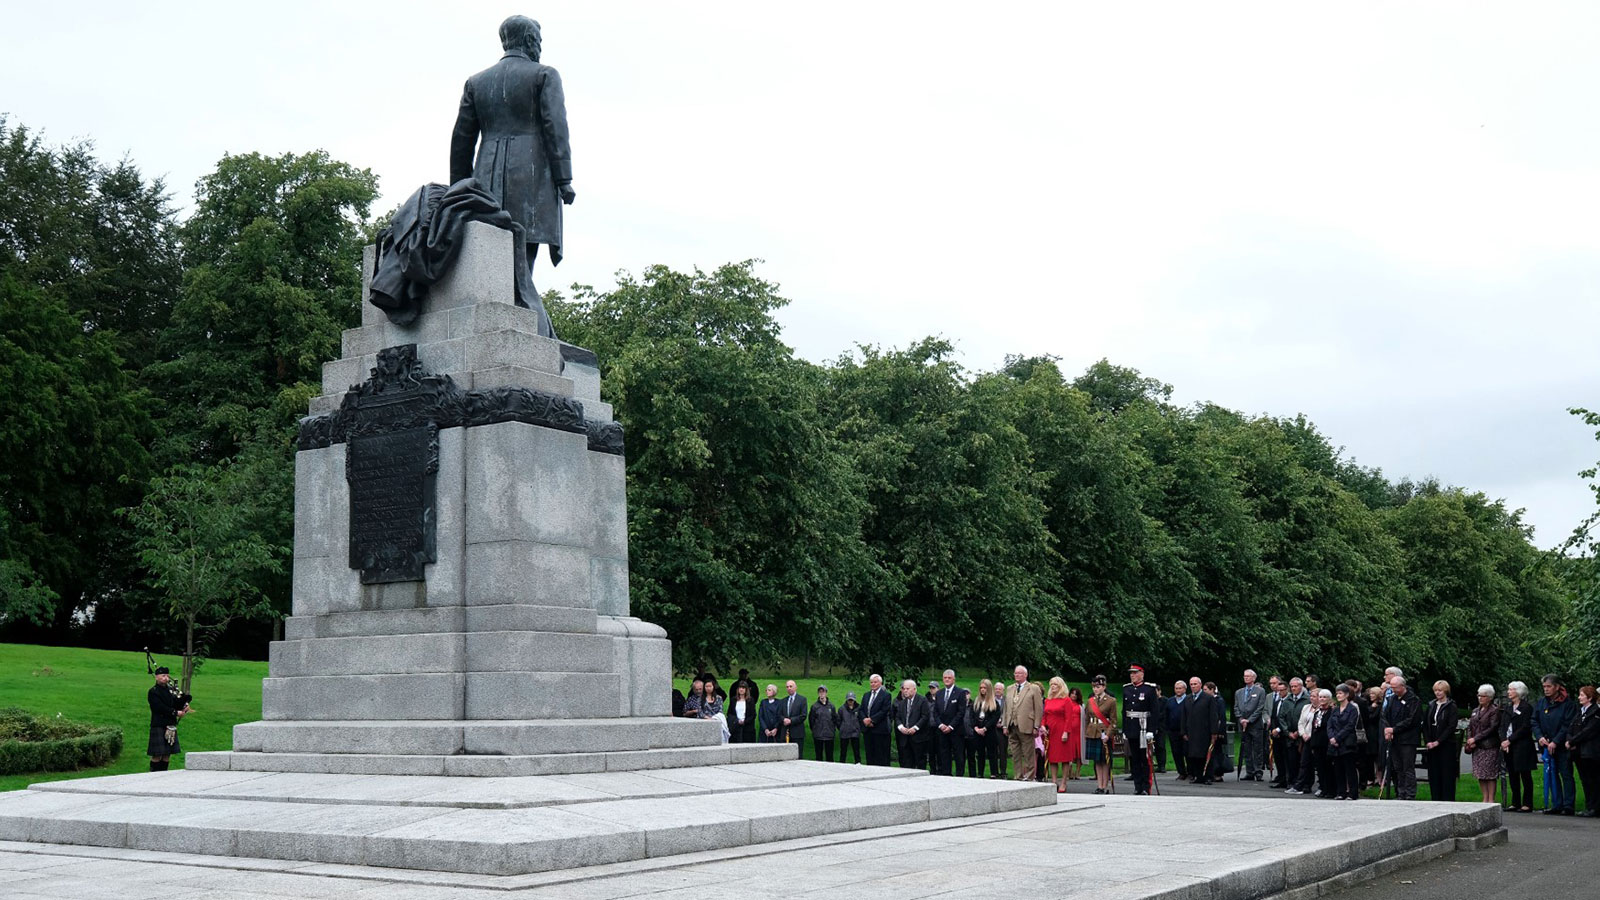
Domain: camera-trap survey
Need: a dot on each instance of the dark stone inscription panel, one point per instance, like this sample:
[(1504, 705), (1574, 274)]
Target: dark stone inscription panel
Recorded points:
[(392, 491)]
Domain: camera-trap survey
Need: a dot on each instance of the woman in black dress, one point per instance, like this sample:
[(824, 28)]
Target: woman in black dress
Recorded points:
[(741, 713), (1518, 746), (1439, 735), (1343, 745)]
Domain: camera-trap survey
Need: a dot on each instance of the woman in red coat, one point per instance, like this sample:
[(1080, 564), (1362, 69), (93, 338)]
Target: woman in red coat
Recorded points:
[(1060, 722)]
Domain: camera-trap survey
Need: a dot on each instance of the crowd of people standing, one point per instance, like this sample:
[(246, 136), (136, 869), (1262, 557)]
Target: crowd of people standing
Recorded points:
[(1331, 741)]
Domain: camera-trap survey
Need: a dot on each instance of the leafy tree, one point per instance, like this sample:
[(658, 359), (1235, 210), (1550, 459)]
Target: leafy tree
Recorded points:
[(743, 516), (74, 428), (953, 515), (198, 531), (272, 255), (1579, 567), (101, 238), (1482, 602)]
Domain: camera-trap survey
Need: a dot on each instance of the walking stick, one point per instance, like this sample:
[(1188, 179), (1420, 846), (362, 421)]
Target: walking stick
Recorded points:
[(1210, 750), (1150, 767), (1238, 764), (1549, 770)]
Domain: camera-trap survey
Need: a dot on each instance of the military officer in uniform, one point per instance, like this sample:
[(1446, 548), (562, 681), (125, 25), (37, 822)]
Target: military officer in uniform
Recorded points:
[(1139, 706)]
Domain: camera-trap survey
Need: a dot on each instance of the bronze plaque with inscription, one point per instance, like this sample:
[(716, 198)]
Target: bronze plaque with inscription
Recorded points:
[(392, 493)]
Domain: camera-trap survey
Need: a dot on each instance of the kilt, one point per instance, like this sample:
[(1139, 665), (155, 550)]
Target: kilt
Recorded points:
[(158, 743)]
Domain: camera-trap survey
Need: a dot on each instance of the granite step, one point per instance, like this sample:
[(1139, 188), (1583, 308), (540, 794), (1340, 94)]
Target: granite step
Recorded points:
[(400, 654), (446, 696), (517, 737), (475, 793), (500, 841), (470, 766), (437, 619)]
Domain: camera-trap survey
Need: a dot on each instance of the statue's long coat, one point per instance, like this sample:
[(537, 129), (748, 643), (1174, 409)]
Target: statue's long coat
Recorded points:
[(518, 108)]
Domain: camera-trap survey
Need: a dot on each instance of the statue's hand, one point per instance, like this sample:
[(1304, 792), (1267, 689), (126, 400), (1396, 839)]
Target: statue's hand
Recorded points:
[(567, 194)]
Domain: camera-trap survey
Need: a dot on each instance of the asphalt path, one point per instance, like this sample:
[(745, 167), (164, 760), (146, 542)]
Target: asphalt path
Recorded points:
[(1544, 857)]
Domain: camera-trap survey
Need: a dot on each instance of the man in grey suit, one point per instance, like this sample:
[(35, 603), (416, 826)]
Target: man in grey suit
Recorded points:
[(523, 160), (1250, 714)]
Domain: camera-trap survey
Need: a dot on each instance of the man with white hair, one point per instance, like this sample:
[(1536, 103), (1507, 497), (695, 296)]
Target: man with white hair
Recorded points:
[(1402, 731), (913, 723), (877, 708), (1250, 716), (1023, 715)]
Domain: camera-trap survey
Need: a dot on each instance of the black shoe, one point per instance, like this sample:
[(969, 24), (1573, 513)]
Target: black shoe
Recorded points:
[(1550, 812), (1586, 814), (1141, 793), (1127, 778), (1566, 812)]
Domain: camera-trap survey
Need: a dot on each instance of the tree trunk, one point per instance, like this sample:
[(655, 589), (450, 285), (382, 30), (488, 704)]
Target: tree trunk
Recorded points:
[(188, 655)]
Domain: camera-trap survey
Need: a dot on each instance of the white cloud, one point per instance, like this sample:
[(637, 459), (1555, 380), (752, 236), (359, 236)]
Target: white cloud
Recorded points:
[(1377, 215)]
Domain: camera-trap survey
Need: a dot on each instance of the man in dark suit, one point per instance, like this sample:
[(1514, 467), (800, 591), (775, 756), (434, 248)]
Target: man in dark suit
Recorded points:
[(1402, 730), (913, 721), (877, 709), (794, 719), (1172, 709), (1202, 717), (950, 721), (524, 160)]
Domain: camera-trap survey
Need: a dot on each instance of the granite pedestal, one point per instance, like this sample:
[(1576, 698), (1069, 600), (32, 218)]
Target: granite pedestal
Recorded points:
[(462, 686)]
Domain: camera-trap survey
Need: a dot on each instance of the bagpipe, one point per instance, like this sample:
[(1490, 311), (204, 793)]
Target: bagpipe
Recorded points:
[(182, 697)]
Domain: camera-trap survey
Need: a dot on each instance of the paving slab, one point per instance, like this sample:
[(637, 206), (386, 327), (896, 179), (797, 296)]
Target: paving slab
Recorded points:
[(489, 826), (1079, 846)]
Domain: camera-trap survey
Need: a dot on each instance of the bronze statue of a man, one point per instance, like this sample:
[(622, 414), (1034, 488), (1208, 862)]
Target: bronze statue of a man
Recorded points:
[(516, 105)]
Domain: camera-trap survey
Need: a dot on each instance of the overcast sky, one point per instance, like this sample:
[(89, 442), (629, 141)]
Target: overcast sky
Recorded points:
[(1381, 217)]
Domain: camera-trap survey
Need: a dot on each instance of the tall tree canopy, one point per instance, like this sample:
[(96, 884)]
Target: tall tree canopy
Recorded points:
[(887, 509)]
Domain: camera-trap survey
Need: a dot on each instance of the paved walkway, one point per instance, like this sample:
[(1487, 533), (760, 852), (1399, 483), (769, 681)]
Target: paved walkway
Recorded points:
[(1220, 846)]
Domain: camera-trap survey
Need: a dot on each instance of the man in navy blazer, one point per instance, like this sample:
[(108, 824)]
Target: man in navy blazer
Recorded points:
[(877, 708), (950, 721), (1172, 709)]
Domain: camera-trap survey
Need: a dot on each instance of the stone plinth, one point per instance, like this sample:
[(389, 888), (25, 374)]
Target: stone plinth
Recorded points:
[(522, 615)]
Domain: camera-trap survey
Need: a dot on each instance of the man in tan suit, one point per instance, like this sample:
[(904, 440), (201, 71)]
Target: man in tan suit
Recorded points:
[(1020, 722)]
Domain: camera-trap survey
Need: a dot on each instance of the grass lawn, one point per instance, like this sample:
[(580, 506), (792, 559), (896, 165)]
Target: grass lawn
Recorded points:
[(106, 687)]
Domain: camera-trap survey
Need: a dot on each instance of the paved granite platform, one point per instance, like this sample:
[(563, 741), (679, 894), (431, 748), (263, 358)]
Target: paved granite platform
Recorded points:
[(493, 826), (1106, 848)]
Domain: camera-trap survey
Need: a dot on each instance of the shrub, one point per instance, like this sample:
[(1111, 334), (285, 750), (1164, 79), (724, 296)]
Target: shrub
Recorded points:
[(30, 743)]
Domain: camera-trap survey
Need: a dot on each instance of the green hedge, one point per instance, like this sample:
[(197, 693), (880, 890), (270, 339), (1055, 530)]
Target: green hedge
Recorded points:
[(30, 743)]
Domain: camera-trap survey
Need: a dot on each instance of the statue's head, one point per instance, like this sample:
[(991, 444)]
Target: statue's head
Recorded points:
[(520, 33)]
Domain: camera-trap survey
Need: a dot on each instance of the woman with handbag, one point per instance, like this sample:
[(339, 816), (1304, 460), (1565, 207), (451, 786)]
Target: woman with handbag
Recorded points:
[(1483, 742), (1098, 730)]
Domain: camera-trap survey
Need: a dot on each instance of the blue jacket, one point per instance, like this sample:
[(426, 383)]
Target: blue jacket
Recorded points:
[(1342, 726), (1553, 720), (1172, 714)]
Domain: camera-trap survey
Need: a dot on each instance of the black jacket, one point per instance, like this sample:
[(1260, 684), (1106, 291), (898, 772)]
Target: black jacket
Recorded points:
[(752, 709), (1404, 715), (952, 712), (1516, 724), (1585, 733), (1202, 719), (164, 706), (914, 713), (1440, 722), (880, 711)]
